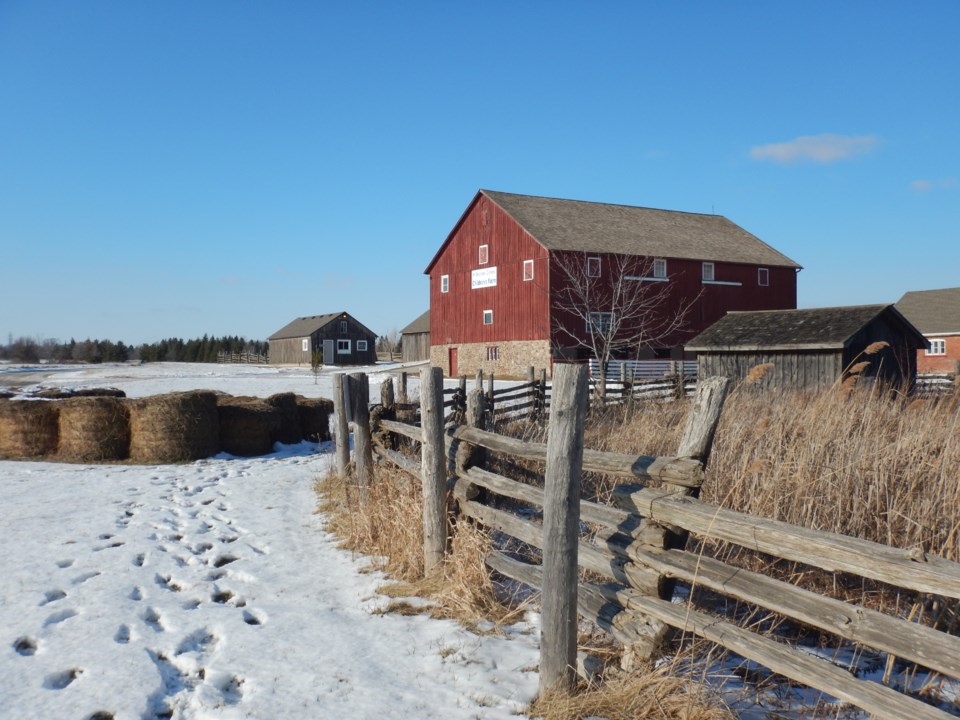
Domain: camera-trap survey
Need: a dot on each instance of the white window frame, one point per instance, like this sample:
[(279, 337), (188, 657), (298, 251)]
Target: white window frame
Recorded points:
[(444, 283), (488, 317), (361, 345), (306, 345), (660, 268), (591, 261), (343, 347), (938, 346), (343, 326), (527, 276), (708, 272), (483, 255), (763, 277), (602, 321)]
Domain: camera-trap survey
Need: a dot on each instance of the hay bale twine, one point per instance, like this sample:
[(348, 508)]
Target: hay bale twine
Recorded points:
[(315, 418), (28, 428), (247, 425), (94, 429), (288, 430), (176, 427)]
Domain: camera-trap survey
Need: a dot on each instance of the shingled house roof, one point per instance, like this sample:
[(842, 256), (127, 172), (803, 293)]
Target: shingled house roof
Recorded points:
[(933, 312), (627, 230), (420, 325), (810, 329), (306, 326)]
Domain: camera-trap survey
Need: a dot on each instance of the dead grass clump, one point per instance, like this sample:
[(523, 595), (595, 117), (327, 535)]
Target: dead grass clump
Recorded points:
[(248, 425), (176, 427), (94, 429), (643, 694), (315, 418), (288, 418), (28, 428)]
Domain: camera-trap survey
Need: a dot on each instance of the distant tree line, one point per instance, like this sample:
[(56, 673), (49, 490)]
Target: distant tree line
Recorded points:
[(205, 349)]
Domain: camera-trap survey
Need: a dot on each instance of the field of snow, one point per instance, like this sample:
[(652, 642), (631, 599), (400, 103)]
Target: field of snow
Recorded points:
[(212, 590)]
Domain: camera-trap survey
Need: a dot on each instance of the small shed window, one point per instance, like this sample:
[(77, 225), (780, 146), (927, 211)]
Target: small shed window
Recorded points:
[(343, 326), (361, 345), (763, 277), (306, 344), (488, 317), (527, 270), (444, 283), (343, 347), (938, 346), (707, 274), (659, 268), (593, 267), (483, 257), (599, 322)]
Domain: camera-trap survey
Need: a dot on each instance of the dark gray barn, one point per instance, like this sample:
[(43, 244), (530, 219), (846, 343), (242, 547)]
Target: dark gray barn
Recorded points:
[(810, 349), (416, 339), (338, 337)]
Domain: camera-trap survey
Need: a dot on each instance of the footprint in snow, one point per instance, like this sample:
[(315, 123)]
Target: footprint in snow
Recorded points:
[(25, 646), (152, 618), (81, 579), (123, 635), (199, 641), (64, 564), (166, 582), (51, 596), (254, 617), (136, 593), (59, 617), (60, 680), (140, 559)]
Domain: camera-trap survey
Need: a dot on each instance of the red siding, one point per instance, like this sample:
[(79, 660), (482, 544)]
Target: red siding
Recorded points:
[(941, 363), (519, 308)]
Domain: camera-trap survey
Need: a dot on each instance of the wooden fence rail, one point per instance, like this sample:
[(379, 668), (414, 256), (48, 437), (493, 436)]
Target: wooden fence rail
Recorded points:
[(635, 547)]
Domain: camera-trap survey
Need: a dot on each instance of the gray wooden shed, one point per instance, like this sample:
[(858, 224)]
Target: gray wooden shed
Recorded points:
[(810, 349), (416, 339), (339, 338)]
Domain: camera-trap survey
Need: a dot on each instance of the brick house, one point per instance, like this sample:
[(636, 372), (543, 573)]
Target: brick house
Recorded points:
[(497, 280), (339, 338), (936, 313)]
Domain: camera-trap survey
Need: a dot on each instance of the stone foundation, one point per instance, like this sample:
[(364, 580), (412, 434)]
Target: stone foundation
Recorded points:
[(512, 358)]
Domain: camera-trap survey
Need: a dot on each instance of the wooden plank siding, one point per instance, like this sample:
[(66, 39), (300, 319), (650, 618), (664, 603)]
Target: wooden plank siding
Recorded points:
[(520, 309)]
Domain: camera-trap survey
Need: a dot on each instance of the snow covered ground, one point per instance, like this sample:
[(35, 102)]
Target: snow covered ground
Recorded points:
[(212, 590)]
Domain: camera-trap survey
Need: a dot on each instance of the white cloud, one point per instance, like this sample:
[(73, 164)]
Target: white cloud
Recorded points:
[(922, 185), (930, 185), (816, 148)]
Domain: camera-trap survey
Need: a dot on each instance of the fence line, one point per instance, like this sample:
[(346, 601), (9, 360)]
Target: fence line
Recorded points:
[(637, 549), (245, 358)]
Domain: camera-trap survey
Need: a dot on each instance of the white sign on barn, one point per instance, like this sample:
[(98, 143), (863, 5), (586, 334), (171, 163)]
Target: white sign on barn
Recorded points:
[(484, 277)]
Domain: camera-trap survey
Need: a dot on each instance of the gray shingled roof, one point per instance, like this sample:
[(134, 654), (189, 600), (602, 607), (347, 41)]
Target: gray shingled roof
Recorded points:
[(305, 326), (623, 229), (932, 311), (420, 325), (810, 329)]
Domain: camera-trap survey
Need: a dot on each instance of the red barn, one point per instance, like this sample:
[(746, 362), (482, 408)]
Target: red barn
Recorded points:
[(499, 284)]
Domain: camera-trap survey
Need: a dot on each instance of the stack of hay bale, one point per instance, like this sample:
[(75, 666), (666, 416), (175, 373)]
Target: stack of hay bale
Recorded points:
[(170, 428)]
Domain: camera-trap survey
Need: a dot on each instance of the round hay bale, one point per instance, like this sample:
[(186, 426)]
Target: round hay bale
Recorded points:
[(288, 430), (247, 425), (176, 427), (315, 418), (94, 429), (28, 428)]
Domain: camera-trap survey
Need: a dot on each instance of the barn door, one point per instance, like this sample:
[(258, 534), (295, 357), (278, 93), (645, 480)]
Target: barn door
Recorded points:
[(328, 356), (453, 361)]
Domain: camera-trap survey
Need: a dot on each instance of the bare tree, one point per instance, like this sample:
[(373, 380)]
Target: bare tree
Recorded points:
[(614, 305)]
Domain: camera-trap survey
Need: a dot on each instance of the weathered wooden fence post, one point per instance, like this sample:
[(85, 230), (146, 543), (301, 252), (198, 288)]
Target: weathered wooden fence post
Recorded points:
[(434, 464), (561, 521), (386, 394), (402, 388), (532, 392), (490, 403), (479, 384), (342, 428), (544, 407), (362, 442), (475, 417)]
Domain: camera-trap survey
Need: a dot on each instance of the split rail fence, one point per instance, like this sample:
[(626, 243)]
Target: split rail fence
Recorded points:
[(529, 400), (634, 552)]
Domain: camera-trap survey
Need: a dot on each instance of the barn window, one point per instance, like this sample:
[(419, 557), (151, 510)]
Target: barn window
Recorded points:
[(593, 267), (707, 274), (343, 326), (527, 270), (343, 347), (361, 345), (488, 317), (599, 322), (306, 344), (659, 268), (493, 353), (763, 277), (483, 257), (938, 346), (444, 283)]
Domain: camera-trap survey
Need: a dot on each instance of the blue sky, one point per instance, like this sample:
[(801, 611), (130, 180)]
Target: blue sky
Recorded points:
[(178, 168)]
